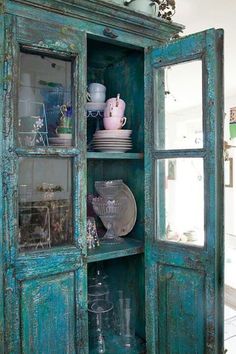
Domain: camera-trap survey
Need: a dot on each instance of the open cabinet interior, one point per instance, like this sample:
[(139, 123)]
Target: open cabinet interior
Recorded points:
[(121, 70), (121, 297), (121, 266)]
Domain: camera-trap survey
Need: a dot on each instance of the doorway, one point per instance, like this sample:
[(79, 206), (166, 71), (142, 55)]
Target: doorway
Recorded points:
[(230, 245)]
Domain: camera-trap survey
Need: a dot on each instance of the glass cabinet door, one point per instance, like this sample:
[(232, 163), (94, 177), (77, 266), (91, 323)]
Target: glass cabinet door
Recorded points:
[(45, 203), (44, 199), (178, 130), (184, 166), (45, 112), (45, 119), (180, 182), (179, 127)]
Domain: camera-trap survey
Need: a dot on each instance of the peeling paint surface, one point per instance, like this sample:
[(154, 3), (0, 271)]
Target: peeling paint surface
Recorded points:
[(185, 305), (43, 295)]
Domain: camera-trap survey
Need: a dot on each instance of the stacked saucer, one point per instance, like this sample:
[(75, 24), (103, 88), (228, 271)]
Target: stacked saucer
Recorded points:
[(112, 140), (61, 140), (94, 106)]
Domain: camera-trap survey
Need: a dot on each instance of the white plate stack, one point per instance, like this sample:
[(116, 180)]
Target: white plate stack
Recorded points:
[(112, 140)]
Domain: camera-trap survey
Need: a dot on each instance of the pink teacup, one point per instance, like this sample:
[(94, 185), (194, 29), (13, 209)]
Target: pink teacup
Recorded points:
[(114, 107), (114, 123)]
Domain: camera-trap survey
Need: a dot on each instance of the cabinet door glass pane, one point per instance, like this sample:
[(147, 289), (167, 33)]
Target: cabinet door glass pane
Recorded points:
[(178, 104), (45, 112), (45, 206), (180, 190)]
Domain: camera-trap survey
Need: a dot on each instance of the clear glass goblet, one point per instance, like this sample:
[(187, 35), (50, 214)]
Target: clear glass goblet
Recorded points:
[(109, 211)]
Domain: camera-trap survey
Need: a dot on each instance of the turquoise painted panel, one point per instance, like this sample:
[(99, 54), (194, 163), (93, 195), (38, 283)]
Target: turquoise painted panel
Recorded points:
[(1, 194), (186, 266), (48, 315), (181, 308), (70, 302)]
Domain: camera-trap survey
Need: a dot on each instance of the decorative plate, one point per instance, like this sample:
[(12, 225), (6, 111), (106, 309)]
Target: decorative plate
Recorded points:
[(126, 222)]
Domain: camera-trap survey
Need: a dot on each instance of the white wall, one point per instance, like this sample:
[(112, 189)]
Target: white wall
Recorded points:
[(197, 16)]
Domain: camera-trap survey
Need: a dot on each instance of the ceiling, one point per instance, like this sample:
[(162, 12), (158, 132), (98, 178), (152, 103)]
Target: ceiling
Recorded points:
[(198, 15)]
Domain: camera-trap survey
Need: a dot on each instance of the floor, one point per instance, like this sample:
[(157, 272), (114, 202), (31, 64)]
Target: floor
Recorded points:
[(230, 295), (230, 330)]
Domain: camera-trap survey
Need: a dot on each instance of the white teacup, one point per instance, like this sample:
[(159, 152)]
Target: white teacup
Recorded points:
[(114, 123), (97, 96), (96, 87)]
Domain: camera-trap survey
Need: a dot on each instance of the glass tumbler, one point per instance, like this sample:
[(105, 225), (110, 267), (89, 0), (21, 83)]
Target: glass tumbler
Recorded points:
[(125, 320)]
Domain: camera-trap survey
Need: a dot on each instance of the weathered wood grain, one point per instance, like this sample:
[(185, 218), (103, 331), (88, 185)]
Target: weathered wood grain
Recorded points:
[(95, 16), (187, 279), (129, 247), (65, 42), (2, 61), (181, 284)]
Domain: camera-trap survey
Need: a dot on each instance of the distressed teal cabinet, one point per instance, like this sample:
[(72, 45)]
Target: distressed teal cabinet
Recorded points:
[(172, 260)]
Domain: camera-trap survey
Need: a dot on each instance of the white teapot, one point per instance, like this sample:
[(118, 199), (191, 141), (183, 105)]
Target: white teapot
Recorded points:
[(118, 2), (147, 6)]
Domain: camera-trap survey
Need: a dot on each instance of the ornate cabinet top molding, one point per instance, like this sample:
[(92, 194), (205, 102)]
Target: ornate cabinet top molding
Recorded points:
[(108, 14)]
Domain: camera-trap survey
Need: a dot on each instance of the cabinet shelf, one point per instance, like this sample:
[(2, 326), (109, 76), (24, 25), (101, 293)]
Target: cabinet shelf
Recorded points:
[(127, 248), (113, 156), (48, 151)]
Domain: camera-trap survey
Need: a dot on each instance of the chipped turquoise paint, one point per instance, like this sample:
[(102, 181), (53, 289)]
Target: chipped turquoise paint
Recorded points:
[(93, 16), (11, 295), (66, 41), (188, 285), (51, 286), (1, 189), (51, 303)]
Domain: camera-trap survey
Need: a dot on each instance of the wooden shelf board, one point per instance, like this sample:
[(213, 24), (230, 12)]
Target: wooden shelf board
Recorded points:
[(129, 247), (119, 155)]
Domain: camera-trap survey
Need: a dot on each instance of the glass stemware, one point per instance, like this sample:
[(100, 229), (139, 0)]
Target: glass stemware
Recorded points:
[(109, 207), (109, 189), (101, 313), (109, 211)]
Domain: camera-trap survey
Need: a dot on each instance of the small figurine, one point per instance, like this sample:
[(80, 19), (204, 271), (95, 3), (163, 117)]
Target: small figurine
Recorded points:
[(65, 122), (92, 236)]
